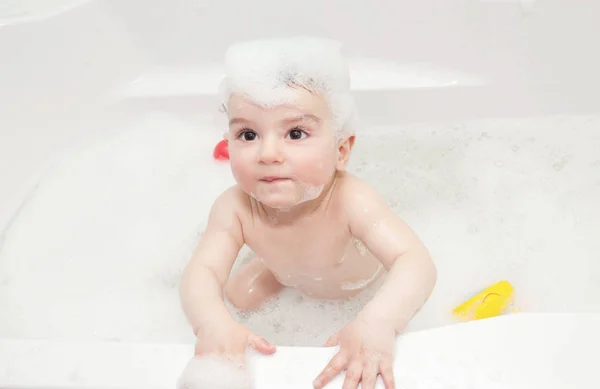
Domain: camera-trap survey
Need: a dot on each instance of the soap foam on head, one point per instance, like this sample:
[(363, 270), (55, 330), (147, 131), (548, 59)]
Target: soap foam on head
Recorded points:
[(269, 71)]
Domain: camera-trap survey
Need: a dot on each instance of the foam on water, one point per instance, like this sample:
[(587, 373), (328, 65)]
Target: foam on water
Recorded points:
[(98, 250)]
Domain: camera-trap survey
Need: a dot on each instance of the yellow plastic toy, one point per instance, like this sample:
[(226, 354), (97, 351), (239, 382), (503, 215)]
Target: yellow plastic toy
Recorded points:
[(492, 301)]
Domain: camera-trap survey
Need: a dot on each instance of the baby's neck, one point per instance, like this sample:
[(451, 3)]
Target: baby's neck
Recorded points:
[(300, 211)]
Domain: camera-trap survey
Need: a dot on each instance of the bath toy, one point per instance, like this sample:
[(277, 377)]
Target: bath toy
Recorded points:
[(221, 151), (492, 301)]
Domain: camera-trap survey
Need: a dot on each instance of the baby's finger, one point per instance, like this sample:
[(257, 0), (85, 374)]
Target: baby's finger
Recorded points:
[(335, 366), (333, 340), (387, 374), (260, 344), (353, 375), (369, 375)]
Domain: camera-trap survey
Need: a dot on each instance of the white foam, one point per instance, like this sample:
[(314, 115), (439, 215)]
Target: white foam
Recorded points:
[(109, 228), (211, 372), (360, 284), (308, 192), (269, 70)]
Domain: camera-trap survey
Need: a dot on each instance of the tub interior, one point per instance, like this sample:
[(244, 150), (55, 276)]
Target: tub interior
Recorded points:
[(98, 247), (481, 129)]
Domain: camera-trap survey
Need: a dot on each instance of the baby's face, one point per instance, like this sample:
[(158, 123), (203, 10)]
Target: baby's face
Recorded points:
[(284, 155)]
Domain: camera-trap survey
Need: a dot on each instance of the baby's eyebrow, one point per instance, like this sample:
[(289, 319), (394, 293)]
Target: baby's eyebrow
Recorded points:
[(302, 117), (290, 119), (237, 120)]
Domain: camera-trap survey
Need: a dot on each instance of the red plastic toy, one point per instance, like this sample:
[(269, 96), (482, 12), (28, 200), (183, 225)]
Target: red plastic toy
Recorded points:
[(221, 151)]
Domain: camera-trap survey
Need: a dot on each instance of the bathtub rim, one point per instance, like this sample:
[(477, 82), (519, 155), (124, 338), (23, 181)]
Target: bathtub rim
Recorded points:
[(172, 358)]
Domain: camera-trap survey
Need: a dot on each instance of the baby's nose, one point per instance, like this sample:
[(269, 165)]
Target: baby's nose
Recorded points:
[(270, 151)]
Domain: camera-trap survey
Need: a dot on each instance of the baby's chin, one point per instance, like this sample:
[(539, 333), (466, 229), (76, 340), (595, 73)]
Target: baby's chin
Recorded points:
[(277, 201), (287, 199)]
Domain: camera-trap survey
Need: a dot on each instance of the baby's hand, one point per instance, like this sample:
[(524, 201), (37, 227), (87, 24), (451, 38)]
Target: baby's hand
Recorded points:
[(229, 339), (366, 350)]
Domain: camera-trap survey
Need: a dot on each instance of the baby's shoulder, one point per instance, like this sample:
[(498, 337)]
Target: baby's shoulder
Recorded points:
[(232, 200), (357, 197), (352, 190)]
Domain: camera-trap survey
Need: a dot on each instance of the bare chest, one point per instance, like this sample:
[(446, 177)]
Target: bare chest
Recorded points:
[(311, 247)]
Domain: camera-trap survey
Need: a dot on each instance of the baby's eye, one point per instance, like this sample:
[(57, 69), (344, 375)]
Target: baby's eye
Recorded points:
[(247, 135), (297, 133)]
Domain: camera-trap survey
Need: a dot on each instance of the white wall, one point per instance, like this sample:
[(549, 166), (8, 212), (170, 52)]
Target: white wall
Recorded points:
[(87, 50)]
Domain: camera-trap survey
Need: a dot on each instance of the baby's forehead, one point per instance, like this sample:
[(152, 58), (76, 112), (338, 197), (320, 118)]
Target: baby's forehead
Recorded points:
[(304, 103)]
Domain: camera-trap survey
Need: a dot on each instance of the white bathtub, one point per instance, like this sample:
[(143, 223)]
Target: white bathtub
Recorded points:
[(485, 119)]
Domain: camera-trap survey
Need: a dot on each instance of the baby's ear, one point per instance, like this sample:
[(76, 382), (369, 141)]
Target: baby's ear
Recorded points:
[(344, 148)]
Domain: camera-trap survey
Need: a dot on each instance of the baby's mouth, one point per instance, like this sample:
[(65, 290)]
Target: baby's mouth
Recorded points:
[(273, 179)]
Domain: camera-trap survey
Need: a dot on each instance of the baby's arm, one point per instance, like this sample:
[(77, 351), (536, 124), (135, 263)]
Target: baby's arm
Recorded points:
[(411, 272), (204, 277), (367, 343)]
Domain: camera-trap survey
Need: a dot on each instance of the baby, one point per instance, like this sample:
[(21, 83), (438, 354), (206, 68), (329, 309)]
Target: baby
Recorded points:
[(310, 224)]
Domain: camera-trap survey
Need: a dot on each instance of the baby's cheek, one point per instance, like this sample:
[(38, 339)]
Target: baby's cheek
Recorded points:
[(239, 169), (317, 171), (323, 165)]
